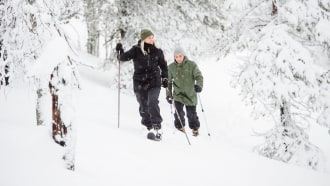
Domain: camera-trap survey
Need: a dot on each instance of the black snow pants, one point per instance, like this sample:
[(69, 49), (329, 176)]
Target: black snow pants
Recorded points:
[(193, 119), (149, 106)]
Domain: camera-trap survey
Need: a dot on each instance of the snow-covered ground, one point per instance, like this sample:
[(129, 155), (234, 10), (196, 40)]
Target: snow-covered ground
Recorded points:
[(108, 155)]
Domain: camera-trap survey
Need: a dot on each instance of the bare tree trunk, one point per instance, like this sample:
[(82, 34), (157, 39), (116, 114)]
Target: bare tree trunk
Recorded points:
[(59, 130), (38, 108), (284, 114), (274, 8)]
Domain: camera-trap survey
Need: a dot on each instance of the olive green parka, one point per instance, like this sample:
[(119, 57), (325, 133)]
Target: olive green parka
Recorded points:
[(182, 79)]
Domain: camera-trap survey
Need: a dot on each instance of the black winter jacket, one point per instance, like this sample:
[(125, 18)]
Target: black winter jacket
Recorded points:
[(149, 67)]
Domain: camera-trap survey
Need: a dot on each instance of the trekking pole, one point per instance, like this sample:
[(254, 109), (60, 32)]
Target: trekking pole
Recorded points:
[(118, 57), (177, 113), (200, 101), (172, 114)]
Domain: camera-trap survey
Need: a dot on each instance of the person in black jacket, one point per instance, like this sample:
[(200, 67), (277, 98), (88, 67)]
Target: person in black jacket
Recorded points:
[(150, 73)]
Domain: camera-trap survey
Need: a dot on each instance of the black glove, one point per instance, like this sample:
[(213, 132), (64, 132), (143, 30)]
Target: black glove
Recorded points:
[(198, 88), (169, 99), (119, 47), (165, 82)]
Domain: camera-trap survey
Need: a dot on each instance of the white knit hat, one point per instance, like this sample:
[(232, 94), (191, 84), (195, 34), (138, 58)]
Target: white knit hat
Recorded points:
[(179, 50)]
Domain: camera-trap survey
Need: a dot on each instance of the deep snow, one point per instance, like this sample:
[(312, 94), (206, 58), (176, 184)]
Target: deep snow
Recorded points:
[(108, 155)]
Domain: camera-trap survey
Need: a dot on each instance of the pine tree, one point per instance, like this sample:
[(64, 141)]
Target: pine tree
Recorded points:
[(284, 73)]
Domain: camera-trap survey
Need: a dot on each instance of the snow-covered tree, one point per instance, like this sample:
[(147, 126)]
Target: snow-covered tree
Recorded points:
[(62, 84), (108, 29), (4, 68), (59, 74), (27, 26), (285, 71), (173, 22), (20, 39), (93, 16)]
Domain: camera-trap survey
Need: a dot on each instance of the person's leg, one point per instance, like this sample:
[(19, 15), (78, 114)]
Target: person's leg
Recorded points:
[(193, 119), (153, 107), (142, 99), (179, 121)]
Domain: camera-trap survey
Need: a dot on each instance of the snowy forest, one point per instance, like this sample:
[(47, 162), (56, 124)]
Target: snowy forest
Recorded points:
[(279, 51)]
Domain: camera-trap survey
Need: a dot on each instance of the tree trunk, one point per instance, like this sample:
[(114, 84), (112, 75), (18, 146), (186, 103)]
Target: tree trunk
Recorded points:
[(4, 73), (286, 123), (285, 114), (38, 108), (59, 130), (92, 17), (62, 82), (274, 8), (93, 42)]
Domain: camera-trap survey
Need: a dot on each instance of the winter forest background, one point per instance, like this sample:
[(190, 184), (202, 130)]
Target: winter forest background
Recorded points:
[(280, 65)]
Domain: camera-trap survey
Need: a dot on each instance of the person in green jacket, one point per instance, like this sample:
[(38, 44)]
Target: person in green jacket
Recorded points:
[(185, 80)]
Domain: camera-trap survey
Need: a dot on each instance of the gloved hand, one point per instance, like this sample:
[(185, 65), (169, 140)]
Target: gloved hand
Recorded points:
[(169, 99), (198, 88), (119, 47), (164, 82)]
